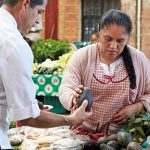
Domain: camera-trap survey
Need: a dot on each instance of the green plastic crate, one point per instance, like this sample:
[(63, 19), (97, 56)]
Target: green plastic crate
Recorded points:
[(80, 44), (57, 106)]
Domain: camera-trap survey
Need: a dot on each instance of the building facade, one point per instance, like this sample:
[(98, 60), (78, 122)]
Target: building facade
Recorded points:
[(75, 20)]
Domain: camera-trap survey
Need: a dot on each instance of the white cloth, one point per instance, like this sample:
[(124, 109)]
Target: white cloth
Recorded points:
[(110, 70), (17, 92)]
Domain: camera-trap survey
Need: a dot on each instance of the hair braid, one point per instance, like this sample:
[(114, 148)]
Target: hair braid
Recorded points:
[(129, 67)]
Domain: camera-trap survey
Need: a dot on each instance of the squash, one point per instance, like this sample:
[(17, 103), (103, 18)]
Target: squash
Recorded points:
[(124, 138), (114, 144), (102, 140), (112, 137), (134, 146)]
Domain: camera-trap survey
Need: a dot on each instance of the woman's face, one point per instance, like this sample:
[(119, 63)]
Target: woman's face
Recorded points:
[(94, 38), (112, 42)]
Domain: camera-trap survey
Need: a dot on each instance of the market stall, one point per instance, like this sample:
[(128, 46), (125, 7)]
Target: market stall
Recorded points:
[(46, 139), (47, 87), (133, 136), (47, 76), (51, 58)]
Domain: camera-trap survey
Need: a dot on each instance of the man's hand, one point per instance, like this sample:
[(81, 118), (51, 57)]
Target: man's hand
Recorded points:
[(49, 119), (42, 107), (122, 115), (78, 91), (79, 114)]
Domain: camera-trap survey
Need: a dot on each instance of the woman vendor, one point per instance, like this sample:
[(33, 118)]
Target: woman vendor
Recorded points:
[(117, 74)]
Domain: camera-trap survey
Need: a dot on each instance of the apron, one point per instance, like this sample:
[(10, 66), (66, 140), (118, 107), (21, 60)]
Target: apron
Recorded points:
[(110, 93)]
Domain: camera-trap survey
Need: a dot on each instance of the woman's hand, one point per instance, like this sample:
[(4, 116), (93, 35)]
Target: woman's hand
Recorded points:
[(79, 114), (122, 115), (77, 92)]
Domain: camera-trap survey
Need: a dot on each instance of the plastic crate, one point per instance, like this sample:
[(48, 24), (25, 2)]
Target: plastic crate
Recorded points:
[(57, 106), (80, 44)]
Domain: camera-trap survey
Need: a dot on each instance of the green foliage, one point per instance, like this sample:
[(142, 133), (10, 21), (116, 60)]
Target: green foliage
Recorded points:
[(48, 71), (49, 48), (138, 125), (12, 124)]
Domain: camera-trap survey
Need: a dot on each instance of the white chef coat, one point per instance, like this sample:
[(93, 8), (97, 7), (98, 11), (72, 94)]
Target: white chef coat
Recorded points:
[(17, 92)]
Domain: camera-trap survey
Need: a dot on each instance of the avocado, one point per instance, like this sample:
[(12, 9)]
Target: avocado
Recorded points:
[(124, 138), (134, 146), (106, 147), (112, 137), (114, 144), (86, 95), (102, 140), (90, 145)]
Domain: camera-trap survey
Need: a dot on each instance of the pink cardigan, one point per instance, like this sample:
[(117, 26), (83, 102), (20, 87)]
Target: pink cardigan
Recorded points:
[(81, 67)]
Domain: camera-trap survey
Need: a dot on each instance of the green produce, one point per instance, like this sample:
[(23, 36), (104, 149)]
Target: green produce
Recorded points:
[(114, 144), (48, 71), (124, 138), (106, 147), (138, 126), (138, 120), (12, 124), (49, 67), (49, 48), (16, 148), (112, 137), (102, 140), (134, 146), (63, 60)]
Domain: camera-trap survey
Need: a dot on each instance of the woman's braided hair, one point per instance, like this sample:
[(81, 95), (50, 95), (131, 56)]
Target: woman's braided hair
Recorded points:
[(129, 67), (114, 16)]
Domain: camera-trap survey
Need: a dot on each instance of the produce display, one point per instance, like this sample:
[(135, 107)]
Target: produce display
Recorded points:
[(49, 48), (52, 67), (132, 137), (138, 126), (63, 60), (58, 138), (119, 141)]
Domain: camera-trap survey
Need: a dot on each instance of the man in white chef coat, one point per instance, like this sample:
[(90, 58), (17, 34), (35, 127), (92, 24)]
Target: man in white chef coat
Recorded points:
[(17, 93)]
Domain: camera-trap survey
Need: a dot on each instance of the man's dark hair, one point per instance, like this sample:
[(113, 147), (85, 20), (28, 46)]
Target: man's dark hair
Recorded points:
[(33, 3), (117, 17)]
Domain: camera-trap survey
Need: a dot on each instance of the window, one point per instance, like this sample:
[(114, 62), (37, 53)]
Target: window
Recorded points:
[(92, 11)]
